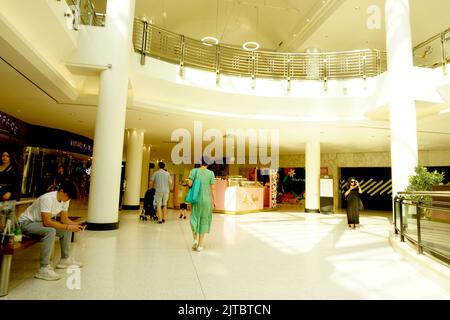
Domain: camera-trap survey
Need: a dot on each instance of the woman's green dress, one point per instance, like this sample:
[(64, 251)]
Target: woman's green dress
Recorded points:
[(201, 211)]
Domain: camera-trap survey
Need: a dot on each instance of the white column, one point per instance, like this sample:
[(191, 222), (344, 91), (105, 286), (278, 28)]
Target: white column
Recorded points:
[(404, 154), (145, 169), (103, 204), (133, 169), (312, 176)]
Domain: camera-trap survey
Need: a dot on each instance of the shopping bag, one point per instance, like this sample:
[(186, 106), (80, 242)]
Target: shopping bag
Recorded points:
[(194, 191)]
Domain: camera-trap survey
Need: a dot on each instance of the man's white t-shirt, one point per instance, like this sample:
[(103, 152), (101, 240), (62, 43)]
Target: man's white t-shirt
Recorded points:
[(45, 203), (162, 181)]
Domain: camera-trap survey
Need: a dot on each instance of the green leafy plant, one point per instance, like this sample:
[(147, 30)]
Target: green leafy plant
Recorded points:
[(424, 180)]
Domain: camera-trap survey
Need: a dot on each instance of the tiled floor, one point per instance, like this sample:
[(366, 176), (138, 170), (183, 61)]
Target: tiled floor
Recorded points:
[(269, 255)]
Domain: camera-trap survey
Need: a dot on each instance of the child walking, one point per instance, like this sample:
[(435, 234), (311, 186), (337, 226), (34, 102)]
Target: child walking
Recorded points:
[(183, 208)]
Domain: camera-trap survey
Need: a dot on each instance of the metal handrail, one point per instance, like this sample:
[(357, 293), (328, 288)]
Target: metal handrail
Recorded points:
[(423, 210), (87, 13), (226, 59), (427, 193), (434, 52)]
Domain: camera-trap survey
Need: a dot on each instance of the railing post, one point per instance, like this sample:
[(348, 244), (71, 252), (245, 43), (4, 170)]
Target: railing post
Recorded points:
[(444, 53), (378, 62), (288, 73), (144, 41), (402, 234), (78, 16), (217, 64), (419, 237), (253, 66), (182, 46), (364, 58), (395, 214), (325, 74)]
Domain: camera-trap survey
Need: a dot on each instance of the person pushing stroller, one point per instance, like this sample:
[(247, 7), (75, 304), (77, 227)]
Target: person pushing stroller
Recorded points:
[(149, 211)]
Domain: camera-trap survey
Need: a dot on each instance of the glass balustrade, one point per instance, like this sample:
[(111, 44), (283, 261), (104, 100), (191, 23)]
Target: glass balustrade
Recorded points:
[(423, 219), (151, 40), (86, 13)]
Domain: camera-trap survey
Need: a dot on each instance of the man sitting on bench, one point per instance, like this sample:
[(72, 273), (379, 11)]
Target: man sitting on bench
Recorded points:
[(37, 219)]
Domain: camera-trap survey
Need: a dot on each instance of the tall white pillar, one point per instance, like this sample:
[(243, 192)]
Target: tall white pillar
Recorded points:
[(103, 204), (145, 169), (133, 169), (312, 176), (404, 154)]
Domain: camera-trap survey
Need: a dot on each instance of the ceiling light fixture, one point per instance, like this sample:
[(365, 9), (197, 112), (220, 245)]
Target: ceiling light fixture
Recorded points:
[(253, 45), (210, 41)]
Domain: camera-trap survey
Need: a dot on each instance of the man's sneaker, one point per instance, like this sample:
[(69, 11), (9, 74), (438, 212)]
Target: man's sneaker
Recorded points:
[(66, 263), (47, 273)]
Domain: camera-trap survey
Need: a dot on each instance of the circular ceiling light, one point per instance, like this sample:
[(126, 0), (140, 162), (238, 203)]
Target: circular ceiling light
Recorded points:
[(251, 46), (210, 41)]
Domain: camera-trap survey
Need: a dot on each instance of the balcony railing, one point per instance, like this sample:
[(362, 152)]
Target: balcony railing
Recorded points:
[(85, 13), (150, 40), (423, 218), (434, 52)]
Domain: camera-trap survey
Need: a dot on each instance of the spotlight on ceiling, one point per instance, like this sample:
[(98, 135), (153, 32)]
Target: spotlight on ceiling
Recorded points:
[(251, 46), (210, 41)]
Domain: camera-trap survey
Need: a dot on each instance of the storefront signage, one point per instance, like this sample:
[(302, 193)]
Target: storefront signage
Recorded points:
[(7, 124), (12, 127), (80, 145), (50, 138)]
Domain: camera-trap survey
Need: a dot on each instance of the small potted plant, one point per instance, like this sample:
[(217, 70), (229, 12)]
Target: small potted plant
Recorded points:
[(424, 180)]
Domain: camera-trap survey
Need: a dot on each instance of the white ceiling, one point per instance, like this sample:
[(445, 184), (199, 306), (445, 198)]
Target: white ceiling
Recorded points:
[(279, 20), (231, 21), (329, 25)]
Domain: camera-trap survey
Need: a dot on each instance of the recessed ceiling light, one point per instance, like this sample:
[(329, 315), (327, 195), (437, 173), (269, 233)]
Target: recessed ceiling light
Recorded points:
[(251, 46), (210, 41)]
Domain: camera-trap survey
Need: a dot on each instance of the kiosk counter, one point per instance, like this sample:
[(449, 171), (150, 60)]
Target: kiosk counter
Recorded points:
[(238, 195)]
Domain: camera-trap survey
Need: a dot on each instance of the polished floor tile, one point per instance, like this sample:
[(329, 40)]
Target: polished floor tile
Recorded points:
[(267, 255)]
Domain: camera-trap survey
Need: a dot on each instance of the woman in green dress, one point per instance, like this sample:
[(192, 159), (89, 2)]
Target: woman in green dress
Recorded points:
[(201, 211)]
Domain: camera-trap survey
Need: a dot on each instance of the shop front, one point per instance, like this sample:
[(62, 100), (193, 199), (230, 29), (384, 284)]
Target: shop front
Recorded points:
[(244, 194), (44, 156)]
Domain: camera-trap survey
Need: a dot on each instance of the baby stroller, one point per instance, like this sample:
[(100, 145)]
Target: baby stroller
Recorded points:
[(149, 211)]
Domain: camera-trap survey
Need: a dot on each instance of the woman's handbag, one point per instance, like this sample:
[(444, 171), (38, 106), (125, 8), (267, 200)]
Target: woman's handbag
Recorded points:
[(361, 205), (194, 191)]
